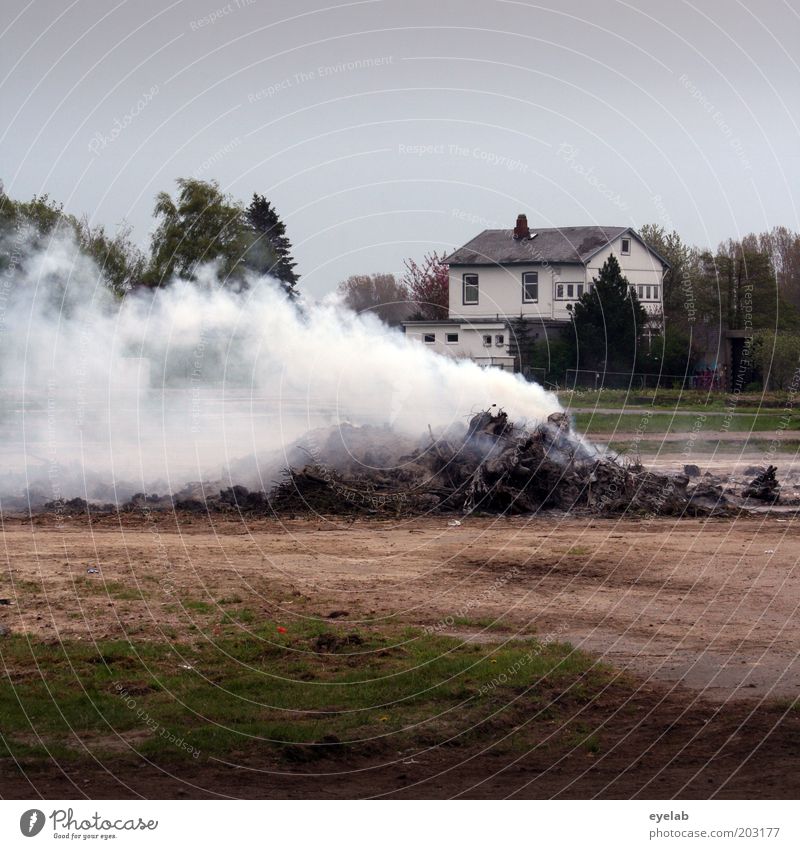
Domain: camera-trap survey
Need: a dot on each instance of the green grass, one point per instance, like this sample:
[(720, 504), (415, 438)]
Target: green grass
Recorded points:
[(672, 399), (635, 421), (703, 446), (483, 623), (270, 690), (198, 606), (95, 585)]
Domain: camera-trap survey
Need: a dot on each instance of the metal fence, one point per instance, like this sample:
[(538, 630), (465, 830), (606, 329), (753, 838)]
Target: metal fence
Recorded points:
[(590, 379)]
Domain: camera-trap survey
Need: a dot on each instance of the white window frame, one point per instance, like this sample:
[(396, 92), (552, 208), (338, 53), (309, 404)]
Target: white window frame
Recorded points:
[(487, 340), (565, 288), (464, 284), (525, 298), (429, 338), (500, 340), (451, 341), (622, 248)]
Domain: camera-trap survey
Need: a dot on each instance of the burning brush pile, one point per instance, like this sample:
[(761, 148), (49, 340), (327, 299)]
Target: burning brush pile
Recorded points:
[(491, 466)]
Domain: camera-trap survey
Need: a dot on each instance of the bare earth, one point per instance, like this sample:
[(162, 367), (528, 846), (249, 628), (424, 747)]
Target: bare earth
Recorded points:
[(704, 613)]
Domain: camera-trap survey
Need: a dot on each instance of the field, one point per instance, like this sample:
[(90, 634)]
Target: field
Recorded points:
[(549, 657)]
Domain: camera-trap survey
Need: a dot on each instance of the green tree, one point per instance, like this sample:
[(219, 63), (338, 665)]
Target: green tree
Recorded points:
[(36, 222), (672, 353), (121, 263), (739, 288), (269, 250), (201, 225), (607, 323), (681, 278), (777, 356)]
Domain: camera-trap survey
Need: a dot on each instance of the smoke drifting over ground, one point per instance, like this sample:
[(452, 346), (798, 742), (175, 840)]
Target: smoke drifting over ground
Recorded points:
[(100, 398)]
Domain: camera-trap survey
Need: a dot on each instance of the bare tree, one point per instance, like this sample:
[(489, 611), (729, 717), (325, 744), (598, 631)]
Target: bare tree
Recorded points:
[(377, 293)]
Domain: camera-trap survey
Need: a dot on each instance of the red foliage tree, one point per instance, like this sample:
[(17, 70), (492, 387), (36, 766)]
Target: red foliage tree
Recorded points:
[(428, 285)]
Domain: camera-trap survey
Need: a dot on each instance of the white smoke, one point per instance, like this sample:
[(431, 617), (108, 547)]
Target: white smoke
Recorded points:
[(175, 384)]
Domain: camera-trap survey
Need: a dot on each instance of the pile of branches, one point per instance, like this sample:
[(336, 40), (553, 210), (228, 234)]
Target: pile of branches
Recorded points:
[(492, 466), (764, 486)]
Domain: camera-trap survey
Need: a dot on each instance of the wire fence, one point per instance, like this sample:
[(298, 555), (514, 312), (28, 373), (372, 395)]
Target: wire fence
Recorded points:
[(591, 379)]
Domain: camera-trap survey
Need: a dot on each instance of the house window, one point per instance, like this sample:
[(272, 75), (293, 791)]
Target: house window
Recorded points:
[(655, 293), (579, 289), (470, 288), (647, 293), (499, 340), (570, 291), (530, 287), (429, 338), (487, 340), (626, 247), (451, 338), (640, 292), (560, 291)]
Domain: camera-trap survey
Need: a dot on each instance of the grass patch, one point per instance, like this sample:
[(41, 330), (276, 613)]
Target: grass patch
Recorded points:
[(703, 446), (672, 399), (296, 694), (484, 623), (631, 421), (96, 586), (198, 606)]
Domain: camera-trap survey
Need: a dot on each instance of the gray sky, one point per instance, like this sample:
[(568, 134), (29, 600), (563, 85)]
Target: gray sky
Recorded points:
[(386, 128)]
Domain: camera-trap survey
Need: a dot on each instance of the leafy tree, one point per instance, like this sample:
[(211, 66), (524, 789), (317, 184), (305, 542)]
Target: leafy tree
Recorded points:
[(119, 261), (269, 250), (739, 288), (378, 293), (428, 285), (681, 278), (672, 353), (201, 225), (607, 323), (553, 353), (778, 357)]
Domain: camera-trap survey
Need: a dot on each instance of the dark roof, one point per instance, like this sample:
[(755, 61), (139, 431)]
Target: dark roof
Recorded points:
[(551, 244)]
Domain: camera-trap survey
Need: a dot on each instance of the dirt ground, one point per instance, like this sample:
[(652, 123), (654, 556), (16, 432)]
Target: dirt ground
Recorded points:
[(702, 613)]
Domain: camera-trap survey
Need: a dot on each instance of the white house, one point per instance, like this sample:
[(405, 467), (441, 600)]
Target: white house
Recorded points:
[(532, 274)]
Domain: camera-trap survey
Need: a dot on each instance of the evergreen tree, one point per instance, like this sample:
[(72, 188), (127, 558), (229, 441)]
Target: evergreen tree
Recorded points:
[(607, 323), (269, 250)]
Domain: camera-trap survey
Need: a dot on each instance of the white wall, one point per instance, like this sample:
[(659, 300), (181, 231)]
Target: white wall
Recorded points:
[(501, 288), (501, 291), (640, 267), (470, 341)]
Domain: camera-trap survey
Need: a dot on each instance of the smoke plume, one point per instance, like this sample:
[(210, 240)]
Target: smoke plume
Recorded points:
[(102, 397)]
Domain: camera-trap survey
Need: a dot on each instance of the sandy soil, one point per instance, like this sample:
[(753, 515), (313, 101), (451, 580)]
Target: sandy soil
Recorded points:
[(703, 613), (712, 604)]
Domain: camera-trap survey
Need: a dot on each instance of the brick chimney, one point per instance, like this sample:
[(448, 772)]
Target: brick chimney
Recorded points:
[(521, 230)]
